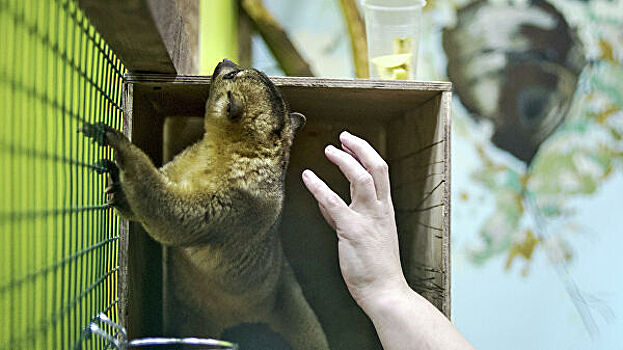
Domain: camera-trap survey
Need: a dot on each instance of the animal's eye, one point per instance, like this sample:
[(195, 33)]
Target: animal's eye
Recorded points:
[(231, 74), (234, 109)]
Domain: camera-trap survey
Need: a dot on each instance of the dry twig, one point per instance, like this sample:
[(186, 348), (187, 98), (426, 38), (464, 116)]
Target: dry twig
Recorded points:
[(357, 34), (280, 45)]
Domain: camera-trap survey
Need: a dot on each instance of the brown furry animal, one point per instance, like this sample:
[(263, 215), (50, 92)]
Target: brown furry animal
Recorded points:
[(217, 205)]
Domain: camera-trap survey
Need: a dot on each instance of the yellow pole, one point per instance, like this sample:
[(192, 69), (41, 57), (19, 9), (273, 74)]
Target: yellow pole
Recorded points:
[(218, 36)]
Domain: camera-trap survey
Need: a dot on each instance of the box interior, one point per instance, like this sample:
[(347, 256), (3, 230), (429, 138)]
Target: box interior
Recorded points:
[(407, 128)]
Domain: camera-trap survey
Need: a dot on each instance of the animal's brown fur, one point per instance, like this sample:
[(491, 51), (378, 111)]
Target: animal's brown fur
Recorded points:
[(217, 204)]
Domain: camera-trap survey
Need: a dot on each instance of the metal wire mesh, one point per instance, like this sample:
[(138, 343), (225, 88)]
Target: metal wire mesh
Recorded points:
[(58, 238)]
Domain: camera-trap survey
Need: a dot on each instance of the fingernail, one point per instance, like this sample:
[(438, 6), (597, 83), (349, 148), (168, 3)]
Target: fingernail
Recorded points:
[(329, 148)]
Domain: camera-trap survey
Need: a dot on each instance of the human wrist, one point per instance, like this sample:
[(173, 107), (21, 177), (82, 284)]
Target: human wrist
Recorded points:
[(380, 299)]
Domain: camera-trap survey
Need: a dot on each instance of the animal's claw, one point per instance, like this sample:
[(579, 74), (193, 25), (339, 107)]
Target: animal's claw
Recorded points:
[(112, 187), (111, 201), (97, 132), (114, 194), (113, 190), (105, 166)]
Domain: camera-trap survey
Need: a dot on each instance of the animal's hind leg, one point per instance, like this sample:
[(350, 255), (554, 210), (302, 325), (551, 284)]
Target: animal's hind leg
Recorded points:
[(294, 319)]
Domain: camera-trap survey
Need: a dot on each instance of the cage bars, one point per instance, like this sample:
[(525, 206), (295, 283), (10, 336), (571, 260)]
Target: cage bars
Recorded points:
[(58, 239)]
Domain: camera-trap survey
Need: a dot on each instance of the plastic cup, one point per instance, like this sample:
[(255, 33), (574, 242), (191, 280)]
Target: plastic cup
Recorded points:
[(393, 32)]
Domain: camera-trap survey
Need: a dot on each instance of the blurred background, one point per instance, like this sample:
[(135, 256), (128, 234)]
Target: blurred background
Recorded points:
[(537, 158)]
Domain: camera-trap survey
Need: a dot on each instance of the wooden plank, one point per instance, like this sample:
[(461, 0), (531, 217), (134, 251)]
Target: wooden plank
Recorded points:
[(445, 117), (189, 10), (431, 86), (140, 285), (147, 35), (124, 225), (351, 99), (419, 176)]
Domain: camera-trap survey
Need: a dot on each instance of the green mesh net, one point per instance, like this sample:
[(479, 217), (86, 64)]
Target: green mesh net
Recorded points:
[(58, 238)]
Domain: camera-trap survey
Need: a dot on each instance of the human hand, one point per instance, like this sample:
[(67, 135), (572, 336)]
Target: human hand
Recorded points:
[(366, 229)]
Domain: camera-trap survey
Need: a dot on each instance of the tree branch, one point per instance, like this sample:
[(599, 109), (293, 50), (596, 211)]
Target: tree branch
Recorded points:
[(289, 59), (357, 34)]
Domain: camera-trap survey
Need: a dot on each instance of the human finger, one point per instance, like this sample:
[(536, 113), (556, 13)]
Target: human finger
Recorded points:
[(347, 150), (327, 217), (362, 183), (371, 160), (328, 199)]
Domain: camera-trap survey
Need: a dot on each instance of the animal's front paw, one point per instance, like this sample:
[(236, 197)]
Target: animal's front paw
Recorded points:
[(97, 132), (114, 191)]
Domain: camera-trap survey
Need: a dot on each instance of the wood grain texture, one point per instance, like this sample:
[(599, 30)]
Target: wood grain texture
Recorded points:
[(432, 86), (445, 116), (417, 160), (350, 98), (140, 263), (147, 35), (175, 34), (189, 10), (124, 225)]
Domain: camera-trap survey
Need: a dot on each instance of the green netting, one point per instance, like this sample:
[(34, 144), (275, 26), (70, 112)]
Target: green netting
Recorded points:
[(58, 238)]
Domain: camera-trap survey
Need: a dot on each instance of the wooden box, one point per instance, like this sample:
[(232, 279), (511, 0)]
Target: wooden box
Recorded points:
[(407, 122)]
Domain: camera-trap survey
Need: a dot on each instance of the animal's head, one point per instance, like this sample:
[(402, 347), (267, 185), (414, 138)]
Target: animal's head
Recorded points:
[(245, 103)]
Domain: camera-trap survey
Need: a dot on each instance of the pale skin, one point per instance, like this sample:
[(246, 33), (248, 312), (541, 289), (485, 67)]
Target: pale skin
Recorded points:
[(368, 252)]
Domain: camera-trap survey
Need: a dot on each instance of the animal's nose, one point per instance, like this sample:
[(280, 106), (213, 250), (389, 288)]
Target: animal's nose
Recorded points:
[(224, 64)]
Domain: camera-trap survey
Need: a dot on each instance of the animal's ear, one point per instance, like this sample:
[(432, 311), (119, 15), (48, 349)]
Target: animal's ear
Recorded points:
[(297, 120)]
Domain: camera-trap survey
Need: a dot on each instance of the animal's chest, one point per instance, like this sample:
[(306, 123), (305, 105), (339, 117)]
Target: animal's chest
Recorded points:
[(205, 177)]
